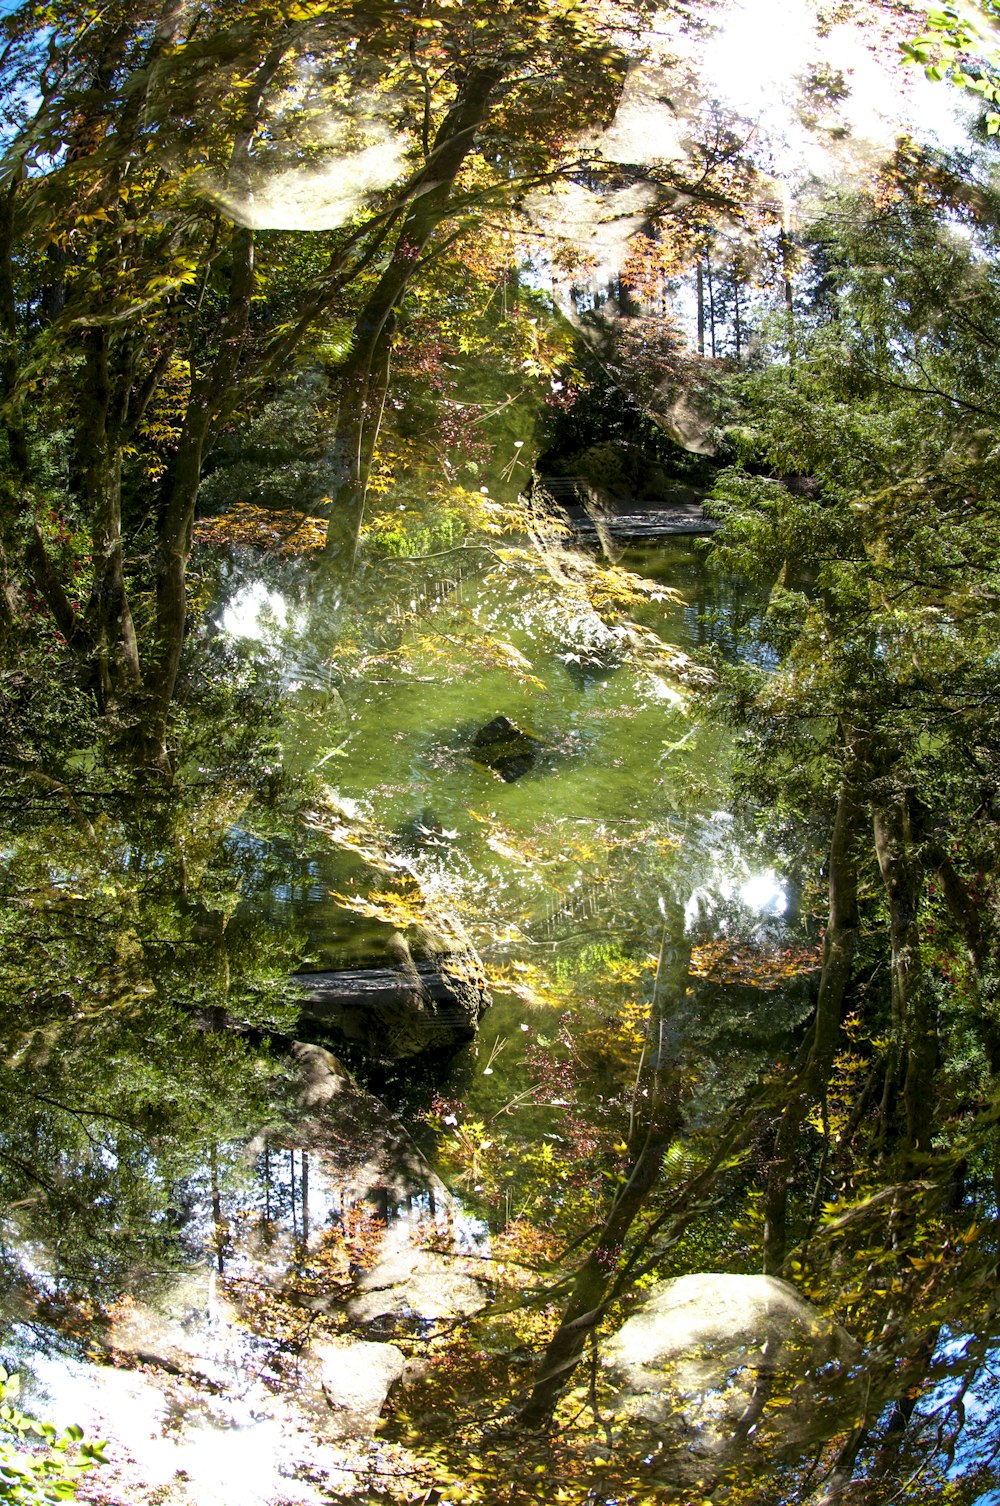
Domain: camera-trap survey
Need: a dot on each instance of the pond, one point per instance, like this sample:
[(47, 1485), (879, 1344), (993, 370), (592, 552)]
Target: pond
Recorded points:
[(239, 1250)]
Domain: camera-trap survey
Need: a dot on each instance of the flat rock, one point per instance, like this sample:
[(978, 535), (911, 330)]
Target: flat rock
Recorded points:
[(636, 521), (410, 1282), (392, 1014)]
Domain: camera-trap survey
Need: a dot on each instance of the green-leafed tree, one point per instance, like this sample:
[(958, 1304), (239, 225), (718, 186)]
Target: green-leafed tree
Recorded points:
[(156, 286), (864, 489)]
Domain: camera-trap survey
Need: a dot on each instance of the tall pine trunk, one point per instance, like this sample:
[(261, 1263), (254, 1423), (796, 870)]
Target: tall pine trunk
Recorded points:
[(650, 1136), (208, 397), (839, 948), (108, 627), (913, 1016), (365, 377)]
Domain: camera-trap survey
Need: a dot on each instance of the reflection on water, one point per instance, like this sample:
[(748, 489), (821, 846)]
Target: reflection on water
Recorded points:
[(254, 612), (236, 1259), (624, 768), (207, 1236)]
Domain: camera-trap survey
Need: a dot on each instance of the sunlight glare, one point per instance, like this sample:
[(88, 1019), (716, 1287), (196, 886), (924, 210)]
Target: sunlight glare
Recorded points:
[(764, 893), (314, 198), (254, 613)]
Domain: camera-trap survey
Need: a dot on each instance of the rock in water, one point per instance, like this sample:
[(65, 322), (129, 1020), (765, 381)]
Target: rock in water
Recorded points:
[(505, 748), (392, 1014), (353, 1377), (709, 1363)]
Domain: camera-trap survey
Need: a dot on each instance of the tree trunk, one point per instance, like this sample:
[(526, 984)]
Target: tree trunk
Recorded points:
[(208, 398), (700, 300), (358, 422), (108, 629), (115, 654), (785, 249), (649, 1140), (219, 1230), (839, 946), (914, 1024), (978, 935), (173, 549), (364, 378), (14, 485), (211, 392)]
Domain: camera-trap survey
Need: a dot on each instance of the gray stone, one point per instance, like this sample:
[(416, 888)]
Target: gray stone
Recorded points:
[(395, 1013), (408, 1281), (354, 1377), (709, 1360)]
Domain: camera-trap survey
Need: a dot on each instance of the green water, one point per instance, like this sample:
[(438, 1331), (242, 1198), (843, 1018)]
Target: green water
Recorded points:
[(620, 810), (176, 916)]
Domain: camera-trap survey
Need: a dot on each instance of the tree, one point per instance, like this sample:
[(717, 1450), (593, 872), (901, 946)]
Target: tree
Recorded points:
[(37, 1464), (955, 47), (863, 491), (153, 295), (136, 317)]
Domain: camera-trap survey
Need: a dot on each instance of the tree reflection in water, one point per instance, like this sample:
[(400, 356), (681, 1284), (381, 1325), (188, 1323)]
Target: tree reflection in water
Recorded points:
[(336, 275)]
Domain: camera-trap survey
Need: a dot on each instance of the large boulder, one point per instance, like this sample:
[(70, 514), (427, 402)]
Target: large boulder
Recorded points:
[(415, 1007), (352, 1379), (710, 1361), (409, 1282)]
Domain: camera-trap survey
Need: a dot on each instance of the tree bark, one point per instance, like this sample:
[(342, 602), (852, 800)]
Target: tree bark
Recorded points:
[(210, 394), (364, 378), (15, 483), (176, 522), (649, 1139), (700, 300), (108, 626), (914, 1024), (839, 946), (785, 249)]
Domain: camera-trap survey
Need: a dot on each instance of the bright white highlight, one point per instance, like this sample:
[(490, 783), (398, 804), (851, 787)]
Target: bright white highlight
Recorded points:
[(598, 224), (823, 104), (254, 613), (665, 692), (761, 59), (764, 893), (314, 198), (236, 1453)]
